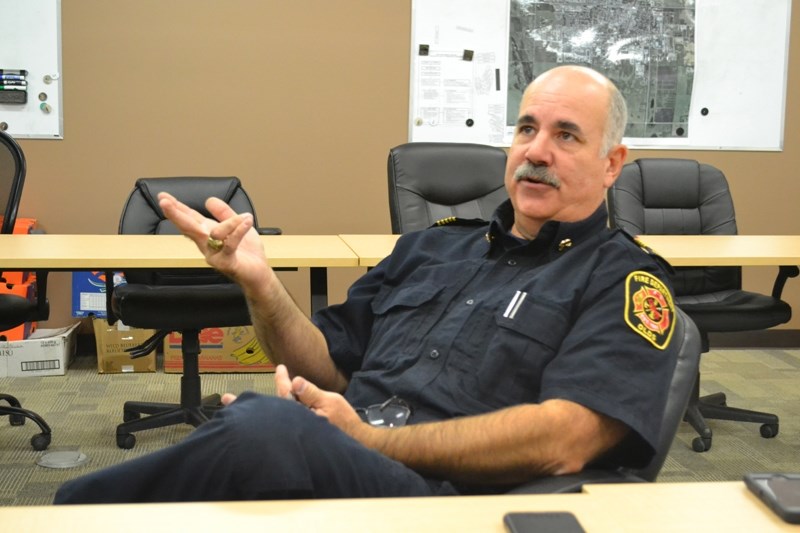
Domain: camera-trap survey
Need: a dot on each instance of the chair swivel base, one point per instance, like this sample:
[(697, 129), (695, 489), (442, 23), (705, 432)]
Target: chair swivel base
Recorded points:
[(16, 417), (162, 415), (714, 406)]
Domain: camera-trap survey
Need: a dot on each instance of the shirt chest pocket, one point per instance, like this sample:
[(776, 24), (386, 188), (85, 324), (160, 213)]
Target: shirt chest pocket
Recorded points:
[(522, 345), (541, 322), (401, 314)]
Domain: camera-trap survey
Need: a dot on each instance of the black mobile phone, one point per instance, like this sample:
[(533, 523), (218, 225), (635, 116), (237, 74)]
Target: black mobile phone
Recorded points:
[(781, 493), (551, 522)]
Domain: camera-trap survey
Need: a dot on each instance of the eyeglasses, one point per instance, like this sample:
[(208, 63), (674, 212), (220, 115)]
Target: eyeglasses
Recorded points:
[(392, 413)]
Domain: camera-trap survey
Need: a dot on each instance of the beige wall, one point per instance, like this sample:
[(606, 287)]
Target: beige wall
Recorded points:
[(302, 100)]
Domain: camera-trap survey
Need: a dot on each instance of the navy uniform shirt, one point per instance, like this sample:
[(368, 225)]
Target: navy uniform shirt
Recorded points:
[(464, 318)]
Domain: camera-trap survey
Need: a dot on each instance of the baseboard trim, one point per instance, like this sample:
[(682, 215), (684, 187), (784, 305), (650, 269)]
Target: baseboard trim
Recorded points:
[(770, 338)]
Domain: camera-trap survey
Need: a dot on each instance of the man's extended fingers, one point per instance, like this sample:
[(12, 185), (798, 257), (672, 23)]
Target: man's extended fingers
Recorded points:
[(187, 219), (219, 209)]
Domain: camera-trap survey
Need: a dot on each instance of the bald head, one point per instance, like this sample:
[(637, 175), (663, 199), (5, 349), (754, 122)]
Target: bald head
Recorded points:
[(616, 109)]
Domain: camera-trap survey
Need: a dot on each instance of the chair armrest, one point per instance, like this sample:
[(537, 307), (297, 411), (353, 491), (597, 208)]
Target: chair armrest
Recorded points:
[(784, 272), (269, 231), (574, 482)]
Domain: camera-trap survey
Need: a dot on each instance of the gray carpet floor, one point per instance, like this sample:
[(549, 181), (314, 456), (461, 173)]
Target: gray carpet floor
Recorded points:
[(84, 407)]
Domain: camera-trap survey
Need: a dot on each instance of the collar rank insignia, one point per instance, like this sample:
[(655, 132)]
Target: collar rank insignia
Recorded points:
[(649, 309), (444, 221)]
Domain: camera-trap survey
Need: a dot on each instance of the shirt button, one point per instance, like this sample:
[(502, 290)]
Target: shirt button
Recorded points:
[(470, 301), (512, 262), (434, 354)]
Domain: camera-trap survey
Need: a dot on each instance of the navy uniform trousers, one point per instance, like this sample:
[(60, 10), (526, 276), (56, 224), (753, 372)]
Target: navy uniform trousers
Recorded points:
[(258, 448)]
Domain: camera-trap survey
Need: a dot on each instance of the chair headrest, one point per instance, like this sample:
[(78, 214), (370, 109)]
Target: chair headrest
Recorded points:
[(448, 173)]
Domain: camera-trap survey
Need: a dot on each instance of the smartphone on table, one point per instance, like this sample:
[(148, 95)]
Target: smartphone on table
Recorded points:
[(542, 522), (781, 493)]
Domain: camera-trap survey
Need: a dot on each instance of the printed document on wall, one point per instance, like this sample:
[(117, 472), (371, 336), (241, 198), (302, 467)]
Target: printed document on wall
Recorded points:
[(458, 71)]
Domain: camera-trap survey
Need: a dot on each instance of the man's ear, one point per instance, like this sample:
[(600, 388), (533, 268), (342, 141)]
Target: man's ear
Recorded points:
[(615, 159)]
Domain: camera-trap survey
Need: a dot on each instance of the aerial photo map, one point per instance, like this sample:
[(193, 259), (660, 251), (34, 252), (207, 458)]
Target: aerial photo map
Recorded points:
[(645, 46)]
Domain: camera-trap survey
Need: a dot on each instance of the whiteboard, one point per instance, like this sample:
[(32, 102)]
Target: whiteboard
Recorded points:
[(30, 39), (738, 91)]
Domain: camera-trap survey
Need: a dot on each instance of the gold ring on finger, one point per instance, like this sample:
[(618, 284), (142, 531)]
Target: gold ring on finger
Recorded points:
[(215, 244)]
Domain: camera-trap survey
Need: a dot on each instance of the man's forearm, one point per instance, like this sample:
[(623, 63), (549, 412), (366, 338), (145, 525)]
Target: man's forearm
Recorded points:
[(504, 447), (290, 337)]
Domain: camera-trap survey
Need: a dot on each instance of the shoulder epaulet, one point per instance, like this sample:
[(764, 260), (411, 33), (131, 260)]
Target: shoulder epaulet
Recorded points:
[(646, 249), (455, 221)]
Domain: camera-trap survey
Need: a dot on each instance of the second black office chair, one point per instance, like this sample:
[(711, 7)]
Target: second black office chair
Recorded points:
[(432, 181), (185, 301), (684, 197), (687, 336), (16, 310)]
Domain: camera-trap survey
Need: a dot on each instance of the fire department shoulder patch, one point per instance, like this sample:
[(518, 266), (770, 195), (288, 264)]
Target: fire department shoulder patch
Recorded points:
[(649, 309)]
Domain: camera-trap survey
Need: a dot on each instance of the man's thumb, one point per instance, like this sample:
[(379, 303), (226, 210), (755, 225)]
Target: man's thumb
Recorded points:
[(305, 391)]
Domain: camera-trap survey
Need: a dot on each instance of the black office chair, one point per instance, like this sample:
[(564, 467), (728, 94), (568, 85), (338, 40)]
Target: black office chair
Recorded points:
[(680, 390), (184, 300), (432, 181), (16, 310), (684, 197)]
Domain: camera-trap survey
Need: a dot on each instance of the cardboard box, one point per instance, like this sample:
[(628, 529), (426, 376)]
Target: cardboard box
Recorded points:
[(23, 290), (89, 293), (221, 350), (48, 352), (111, 343)]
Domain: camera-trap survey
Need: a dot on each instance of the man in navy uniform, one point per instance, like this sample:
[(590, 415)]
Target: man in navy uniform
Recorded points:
[(532, 345)]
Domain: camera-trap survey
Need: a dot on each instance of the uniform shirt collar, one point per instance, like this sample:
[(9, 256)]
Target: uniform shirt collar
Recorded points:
[(559, 235)]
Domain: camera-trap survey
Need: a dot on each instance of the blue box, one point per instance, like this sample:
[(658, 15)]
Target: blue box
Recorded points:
[(89, 293)]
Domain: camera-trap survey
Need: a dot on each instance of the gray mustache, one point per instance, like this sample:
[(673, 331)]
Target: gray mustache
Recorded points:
[(537, 173)]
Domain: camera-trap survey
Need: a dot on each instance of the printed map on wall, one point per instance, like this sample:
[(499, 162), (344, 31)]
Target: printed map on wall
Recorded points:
[(697, 74), (645, 46)]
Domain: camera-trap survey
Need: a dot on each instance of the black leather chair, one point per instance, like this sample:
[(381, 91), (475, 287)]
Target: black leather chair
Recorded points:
[(16, 310), (432, 181), (183, 300), (683, 379), (684, 197)]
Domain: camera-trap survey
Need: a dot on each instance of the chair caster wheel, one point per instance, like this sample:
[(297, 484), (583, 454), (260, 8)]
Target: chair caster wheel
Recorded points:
[(40, 442), (16, 420), (126, 441), (768, 431), (127, 416), (699, 444)]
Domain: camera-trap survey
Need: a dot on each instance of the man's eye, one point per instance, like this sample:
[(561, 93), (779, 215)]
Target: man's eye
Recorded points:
[(566, 136), (525, 130)]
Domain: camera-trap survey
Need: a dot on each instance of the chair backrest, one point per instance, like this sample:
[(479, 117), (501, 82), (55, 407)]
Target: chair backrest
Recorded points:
[(680, 390), (688, 337), (15, 310), (12, 179), (143, 216), (432, 181), (677, 197)]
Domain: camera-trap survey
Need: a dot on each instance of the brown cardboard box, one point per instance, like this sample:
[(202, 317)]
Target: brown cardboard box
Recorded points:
[(111, 343), (221, 350)]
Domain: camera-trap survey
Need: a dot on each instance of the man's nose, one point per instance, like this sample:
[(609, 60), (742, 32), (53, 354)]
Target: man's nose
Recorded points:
[(539, 150)]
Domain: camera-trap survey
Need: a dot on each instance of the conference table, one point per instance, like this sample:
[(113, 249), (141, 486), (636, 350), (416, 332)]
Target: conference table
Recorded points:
[(648, 507), (126, 252), (679, 250)]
